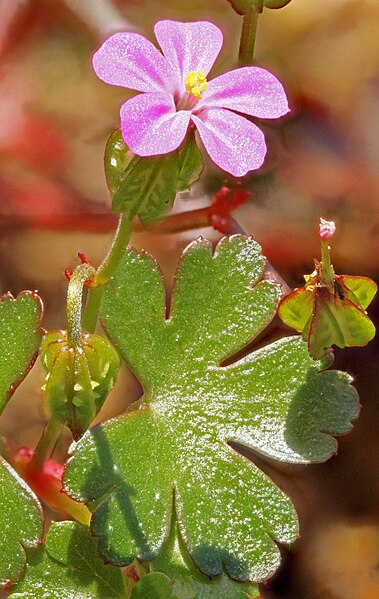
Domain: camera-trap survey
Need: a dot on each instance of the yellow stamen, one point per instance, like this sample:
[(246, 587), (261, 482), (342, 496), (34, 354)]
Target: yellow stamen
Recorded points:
[(196, 83)]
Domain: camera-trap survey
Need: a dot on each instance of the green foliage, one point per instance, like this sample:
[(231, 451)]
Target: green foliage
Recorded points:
[(78, 379), (21, 523), (147, 186), (190, 163), (189, 582), (69, 566), (154, 586), (175, 439), (20, 336)]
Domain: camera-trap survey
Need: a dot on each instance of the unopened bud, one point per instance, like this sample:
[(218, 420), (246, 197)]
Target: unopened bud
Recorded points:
[(327, 229), (77, 379)]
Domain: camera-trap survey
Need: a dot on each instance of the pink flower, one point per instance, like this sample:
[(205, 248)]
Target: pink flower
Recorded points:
[(177, 94)]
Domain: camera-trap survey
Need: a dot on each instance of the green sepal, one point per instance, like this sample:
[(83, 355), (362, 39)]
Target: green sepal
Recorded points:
[(360, 290), (147, 186), (337, 322), (190, 163), (295, 309), (328, 315), (189, 582), (20, 337), (117, 158), (78, 379), (21, 523), (69, 566)]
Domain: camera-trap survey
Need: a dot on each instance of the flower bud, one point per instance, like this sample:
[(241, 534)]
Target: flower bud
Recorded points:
[(327, 228), (78, 379)]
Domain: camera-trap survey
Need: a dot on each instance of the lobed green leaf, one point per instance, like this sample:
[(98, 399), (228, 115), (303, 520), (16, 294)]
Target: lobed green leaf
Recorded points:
[(20, 337), (189, 582), (21, 523), (69, 566), (174, 443)]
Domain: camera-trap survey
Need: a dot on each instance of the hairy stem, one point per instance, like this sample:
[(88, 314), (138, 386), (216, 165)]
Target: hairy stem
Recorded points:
[(327, 270), (74, 302), (248, 34), (105, 271), (47, 442)]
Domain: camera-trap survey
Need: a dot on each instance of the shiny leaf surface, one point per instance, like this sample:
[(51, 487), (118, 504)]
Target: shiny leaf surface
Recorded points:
[(154, 586), (69, 566), (20, 337), (21, 523), (189, 582), (274, 401)]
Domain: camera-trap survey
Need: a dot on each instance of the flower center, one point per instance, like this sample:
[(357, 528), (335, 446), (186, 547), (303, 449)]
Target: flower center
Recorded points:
[(196, 83)]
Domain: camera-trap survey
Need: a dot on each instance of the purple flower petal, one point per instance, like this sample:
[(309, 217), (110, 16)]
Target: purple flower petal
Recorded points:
[(250, 90), (235, 144), (189, 46), (150, 125), (130, 60)]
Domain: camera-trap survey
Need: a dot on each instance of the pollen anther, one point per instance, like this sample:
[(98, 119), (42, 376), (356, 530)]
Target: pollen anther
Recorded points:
[(196, 83)]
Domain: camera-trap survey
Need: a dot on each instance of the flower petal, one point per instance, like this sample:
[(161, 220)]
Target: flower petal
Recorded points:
[(130, 60), (250, 90), (189, 46), (150, 125), (235, 144)]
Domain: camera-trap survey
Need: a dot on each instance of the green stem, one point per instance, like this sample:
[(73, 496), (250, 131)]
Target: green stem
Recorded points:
[(327, 270), (248, 34), (47, 442), (105, 271), (74, 302)]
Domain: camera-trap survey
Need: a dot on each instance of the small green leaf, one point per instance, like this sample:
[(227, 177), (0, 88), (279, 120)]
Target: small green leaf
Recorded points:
[(190, 163), (20, 337), (229, 513), (21, 523), (189, 582), (78, 379), (154, 586), (69, 566)]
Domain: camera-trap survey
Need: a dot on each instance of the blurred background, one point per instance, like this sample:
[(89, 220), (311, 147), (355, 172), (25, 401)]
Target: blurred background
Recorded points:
[(55, 117)]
